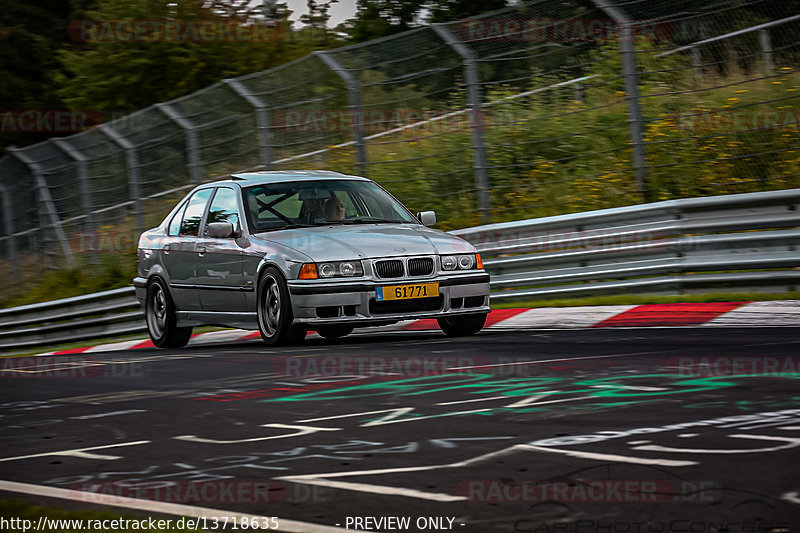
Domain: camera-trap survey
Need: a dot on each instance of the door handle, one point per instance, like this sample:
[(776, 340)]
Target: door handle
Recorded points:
[(167, 248), (201, 250)]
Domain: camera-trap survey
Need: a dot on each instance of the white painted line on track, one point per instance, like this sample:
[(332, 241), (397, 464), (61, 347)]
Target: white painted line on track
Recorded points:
[(793, 497), (289, 526), (790, 442), (614, 458), (103, 415), (83, 453)]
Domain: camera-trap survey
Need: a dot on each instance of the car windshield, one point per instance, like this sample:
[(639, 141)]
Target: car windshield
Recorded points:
[(309, 203)]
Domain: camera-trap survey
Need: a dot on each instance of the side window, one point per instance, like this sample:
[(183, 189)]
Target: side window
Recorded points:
[(190, 224), (175, 223), (223, 208)]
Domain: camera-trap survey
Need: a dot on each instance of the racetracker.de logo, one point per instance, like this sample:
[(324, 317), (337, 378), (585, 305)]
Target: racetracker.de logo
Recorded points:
[(542, 30), (175, 31), (48, 120), (373, 366), (200, 492), (714, 366), (586, 490)]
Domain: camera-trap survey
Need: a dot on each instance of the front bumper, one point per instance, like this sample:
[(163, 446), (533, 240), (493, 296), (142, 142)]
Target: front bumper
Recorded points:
[(140, 285), (342, 302)]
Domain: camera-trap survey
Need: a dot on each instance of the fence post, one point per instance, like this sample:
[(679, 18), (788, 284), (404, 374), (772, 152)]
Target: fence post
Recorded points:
[(630, 76), (474, 101), (86, 195), (697, 63), (355, 104), (134, 178), (8, 222), (192, 144), (766, 51), (47, 203), (262, 121)]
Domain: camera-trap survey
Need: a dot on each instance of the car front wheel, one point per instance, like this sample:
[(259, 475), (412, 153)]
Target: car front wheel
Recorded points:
[(275, 311), (161, 319), (459, 326)]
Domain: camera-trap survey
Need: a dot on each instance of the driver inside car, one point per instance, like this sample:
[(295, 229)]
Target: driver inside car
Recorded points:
[(334, 209)]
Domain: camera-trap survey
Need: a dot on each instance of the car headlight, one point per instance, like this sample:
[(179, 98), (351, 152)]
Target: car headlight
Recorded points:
[(332, 269), (462, 262), (449, 262)]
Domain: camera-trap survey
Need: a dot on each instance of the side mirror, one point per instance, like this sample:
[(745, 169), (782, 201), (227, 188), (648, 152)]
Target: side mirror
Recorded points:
[(427, 218), (220, 230)]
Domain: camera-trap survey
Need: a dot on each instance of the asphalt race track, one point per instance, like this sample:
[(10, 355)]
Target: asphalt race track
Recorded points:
[(690, 430)]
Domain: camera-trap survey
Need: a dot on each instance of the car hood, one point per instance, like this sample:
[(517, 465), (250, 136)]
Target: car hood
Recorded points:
[(364, 241)]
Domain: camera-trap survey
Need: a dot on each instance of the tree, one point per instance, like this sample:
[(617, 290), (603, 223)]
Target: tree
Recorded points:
[(449, 10), (378, 18), (112, 70), (30, 35)]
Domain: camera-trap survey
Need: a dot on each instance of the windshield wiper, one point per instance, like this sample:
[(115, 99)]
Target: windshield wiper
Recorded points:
[(371, 220), (287, 226)]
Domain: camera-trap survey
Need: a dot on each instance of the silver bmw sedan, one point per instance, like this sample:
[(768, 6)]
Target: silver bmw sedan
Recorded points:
[(292, 251)]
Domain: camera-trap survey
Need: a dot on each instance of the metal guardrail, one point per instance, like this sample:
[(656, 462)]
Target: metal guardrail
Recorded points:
[(101, 314), (738, 241), (749, 241)]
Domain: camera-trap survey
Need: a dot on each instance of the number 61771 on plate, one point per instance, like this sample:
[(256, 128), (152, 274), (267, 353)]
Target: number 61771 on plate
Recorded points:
[(407, 292)]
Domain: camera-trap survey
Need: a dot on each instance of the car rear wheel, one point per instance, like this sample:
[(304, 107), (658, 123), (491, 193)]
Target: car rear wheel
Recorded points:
[(334, 332), (161, 319), (459, 326), (275, 311)]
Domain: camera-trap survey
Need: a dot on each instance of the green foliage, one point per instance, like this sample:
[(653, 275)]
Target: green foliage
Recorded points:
[(30, 35), (118, 74), (113, 271), (551, 154)]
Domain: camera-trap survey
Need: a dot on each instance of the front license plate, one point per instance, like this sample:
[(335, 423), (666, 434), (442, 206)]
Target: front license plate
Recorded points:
[(407, 292)]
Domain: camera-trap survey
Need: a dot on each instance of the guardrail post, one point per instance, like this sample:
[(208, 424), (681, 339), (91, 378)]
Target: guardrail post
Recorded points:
[(8, 222), (192, 144), (47, 203), (134, 178), (263, 122), (355, 104), (86, 195), (474, 101), (630, 76), (766, 51)]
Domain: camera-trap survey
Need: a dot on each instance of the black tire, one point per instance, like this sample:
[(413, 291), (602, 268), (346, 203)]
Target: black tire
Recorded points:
[(334, 332), (275, 311), (460, 326), (160, 316)]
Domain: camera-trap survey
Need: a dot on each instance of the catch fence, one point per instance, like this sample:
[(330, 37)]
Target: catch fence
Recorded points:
[(545, 108)]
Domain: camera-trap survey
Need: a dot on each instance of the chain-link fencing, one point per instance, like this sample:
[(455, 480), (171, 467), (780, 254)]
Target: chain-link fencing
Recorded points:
[(548, 107)]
